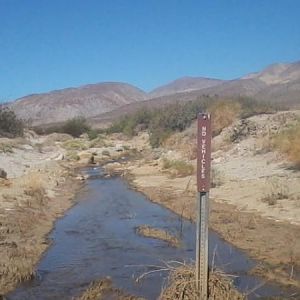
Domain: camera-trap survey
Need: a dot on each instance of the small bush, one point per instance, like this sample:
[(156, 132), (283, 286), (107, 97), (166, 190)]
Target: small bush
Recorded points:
[(99, 142), (217, 177), (288, 142), (72, 155), (75, 145), (76, 126), (278, 191), (10, 125), (92, 134), (224, 113), (6, 148), (180, 167), (34, 187)]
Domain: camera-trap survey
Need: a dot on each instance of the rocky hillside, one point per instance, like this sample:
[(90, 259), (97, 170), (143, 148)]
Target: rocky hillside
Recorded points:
[(184, 84), (88, 101), (279, 83)]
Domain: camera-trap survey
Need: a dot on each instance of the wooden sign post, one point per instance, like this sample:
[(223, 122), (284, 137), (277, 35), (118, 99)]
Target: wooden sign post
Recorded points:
[(203, 186)]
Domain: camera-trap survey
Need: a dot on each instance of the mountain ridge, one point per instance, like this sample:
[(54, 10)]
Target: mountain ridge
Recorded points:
[(277, 83)]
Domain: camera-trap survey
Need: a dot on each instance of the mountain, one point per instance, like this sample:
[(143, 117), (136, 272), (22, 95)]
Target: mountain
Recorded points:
[(88, 100), (105, 101), (277, 74), (278, 83), (184, 84)]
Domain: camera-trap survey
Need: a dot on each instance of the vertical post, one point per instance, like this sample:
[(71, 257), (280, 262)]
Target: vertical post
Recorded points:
[(203, 185)]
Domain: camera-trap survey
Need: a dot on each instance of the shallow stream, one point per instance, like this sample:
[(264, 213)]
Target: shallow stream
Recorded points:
[(96, 238)]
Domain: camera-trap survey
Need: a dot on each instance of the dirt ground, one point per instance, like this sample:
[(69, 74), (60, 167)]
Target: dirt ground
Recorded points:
[(245, 208)]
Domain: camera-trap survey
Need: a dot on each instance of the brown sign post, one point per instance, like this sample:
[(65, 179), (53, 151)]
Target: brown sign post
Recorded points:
[(203, 186)]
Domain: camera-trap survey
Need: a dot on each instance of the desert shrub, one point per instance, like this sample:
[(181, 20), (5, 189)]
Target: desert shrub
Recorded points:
[(175, 117), (35, 188), (92, 134), (6, 148), (10, 125), (76, 126), (181, 167), (224, 113), (277, 191), (251, 107), (217, 177), (288, 142), (98, 142), (72, 155), (75, 145)]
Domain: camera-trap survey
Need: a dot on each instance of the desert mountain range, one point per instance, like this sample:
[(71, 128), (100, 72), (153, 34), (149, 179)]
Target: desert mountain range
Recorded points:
[(277, 83)]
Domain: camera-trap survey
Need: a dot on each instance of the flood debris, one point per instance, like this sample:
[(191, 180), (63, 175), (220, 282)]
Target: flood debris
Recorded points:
[(158, 233)]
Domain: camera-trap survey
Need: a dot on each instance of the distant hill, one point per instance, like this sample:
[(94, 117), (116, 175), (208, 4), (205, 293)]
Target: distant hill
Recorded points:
[(88, 101), (279, 83), (185, 84)]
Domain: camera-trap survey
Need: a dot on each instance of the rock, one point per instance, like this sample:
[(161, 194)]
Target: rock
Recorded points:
[(60, 157), (119, 148), (3, 174), (82, 177), (92, 159)]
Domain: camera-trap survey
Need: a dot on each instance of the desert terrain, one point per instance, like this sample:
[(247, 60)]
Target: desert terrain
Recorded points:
[(254, 200)]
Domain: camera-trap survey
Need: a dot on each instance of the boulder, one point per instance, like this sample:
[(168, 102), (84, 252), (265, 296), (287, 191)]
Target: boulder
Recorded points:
[(3, 174)]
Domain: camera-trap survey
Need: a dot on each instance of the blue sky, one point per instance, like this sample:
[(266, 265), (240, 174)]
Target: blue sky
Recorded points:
[(46, 45)]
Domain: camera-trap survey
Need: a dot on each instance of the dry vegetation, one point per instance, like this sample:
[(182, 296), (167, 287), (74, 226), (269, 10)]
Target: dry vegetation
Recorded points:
[(34, 187), (103, 289), (276, 191), (288, 142), (178, 168), (159, 234), (176, 117), (224, 113), (182, 285)]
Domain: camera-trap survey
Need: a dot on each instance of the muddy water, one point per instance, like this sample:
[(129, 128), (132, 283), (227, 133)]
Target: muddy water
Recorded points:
[(97, 238)]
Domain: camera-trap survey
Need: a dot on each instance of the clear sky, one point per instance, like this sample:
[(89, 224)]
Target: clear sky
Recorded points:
[(53, 44)]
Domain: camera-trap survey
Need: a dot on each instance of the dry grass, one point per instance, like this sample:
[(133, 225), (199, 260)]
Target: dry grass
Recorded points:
[(277, 191), (159, 234), (98, 142), (103, 289), (75, 144), (179, 168), (18, 252), (72, 155), (182, 285), (34, 187), (288, 142), (224, 113), (217, 177)]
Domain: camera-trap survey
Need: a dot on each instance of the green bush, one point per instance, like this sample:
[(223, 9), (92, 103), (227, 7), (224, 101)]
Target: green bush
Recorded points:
[(92, 134), (76, 126), (10, 125)]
